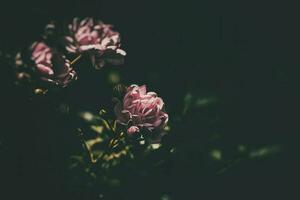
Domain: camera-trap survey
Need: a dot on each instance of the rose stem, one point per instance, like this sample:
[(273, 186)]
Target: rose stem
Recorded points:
[(75, 60)]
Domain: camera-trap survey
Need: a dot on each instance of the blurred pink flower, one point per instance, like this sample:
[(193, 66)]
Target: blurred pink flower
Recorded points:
[(141, 110), (51, 66), (97, 39)]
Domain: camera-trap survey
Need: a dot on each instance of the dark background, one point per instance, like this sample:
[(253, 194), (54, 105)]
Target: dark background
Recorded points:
[(246, 54)]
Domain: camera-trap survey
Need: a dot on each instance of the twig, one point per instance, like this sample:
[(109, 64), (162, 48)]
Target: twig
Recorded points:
[(75, 60)]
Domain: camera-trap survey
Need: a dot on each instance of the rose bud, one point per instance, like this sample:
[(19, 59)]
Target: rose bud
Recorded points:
[(51, 66), (132, 130), (143, 110), (97, 39)]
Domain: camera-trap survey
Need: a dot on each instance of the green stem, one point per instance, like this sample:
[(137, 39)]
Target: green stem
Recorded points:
[(75, 60)]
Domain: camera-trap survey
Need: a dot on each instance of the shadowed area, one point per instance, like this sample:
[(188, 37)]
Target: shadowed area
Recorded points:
[(228, 74)]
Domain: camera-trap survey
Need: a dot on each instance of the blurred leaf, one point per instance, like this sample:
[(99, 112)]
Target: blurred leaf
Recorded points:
[(155, 146), (215, 136), (87, 116), (64, 108), (94, 153), (40, 91), (165, 197), (241, 148), (187, 101), (265, 151), (77, 158), (114, 77), (191, 101), (113, 182), (201, 102), (102, 112), (216, 154), (92, 142), (173, 150), (106, 124), (98, 129), (75, 161), (229, 164), (167, 128)]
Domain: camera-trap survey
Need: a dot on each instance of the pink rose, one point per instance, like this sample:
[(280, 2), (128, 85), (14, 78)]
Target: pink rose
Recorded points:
[(51, 66), (97, 39), (141, 110)]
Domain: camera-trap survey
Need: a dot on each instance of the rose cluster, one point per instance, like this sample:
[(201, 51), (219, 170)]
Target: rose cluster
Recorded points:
[(141, 113), (86, 37)]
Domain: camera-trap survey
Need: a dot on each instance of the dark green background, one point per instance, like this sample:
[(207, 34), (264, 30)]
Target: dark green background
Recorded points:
[(244, 53)]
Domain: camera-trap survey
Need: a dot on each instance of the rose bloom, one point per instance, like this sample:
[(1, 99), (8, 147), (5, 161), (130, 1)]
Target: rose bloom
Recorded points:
[(51, 66), (141, 110), (97, 39)]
